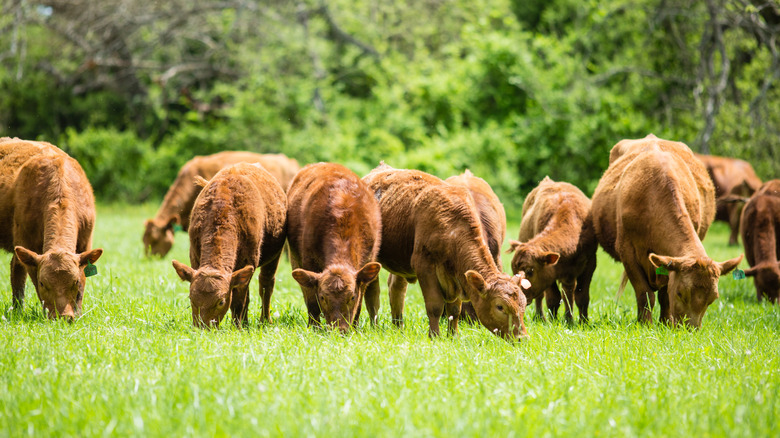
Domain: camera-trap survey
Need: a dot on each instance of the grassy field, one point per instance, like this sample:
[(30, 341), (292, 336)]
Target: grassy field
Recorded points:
[(133, 366)]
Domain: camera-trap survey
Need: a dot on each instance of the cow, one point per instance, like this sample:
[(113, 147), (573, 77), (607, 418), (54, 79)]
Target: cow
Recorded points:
[(733, 179), (493, 218), (47, 213), (431, 231), (334, 231), (761, 237), (651, 209), (176, 207), (238, 223), (556, 244)]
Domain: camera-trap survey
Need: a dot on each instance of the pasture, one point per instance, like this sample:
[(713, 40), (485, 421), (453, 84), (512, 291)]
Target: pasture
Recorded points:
[(132, 365)]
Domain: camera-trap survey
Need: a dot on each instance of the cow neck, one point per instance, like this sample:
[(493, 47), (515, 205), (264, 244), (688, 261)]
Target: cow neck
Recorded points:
[(219, 245), (341, 252), (180, 196), (561, 234), (61, 226), (764, 243), (471, 253)]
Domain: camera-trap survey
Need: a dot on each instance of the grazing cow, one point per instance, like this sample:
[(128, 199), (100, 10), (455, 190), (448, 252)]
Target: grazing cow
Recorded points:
[(652, 207), (47, 212), (761, 237), (177, 205), (493, 218), (732, 178), (431, 231), (334, 230), (556, 244), (238, 223)]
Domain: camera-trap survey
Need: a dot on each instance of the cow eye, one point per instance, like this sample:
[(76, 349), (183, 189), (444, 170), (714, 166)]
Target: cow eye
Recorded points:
[(500, 308), (221, 303), (530, 272)]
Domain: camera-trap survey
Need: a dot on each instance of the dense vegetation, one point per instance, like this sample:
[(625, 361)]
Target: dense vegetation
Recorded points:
[(133, 366), (513, 89)]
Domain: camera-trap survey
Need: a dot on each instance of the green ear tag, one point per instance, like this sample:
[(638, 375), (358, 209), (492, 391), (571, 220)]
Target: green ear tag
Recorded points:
[(90, 269), (738, 274), (661, 270), (177, 227)]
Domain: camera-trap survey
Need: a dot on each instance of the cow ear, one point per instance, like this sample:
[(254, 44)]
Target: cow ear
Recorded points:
[(730, 265), (550, 258), (477, 282), (185, 272), (368, 273), (27, 257), (306, 278), (671, 263), (242, 277), (513, 245), (751, 272), (90, 256)]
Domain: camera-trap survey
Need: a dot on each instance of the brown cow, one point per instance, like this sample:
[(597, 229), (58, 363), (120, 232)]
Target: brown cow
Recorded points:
[(556, 244), (334, 230), (431, 231), (761, 237), (493, 218), (657, 199), (239, 222), (47, 212), (733, 179), (177, 205)]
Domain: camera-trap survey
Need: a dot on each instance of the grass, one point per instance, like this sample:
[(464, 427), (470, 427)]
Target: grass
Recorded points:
[(133, 366)]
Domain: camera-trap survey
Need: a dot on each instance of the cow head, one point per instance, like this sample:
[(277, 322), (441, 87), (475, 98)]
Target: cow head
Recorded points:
[(59, 279), (211, 291), (766, 277), (693, 285), (537, 266), (158, 239), (339, 290), (500, 305)]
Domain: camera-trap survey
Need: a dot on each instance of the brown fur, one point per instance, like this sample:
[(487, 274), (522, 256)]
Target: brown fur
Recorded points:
[(761, 237), (556, 244), (334, 230), (239, 223), (431, 231), (732, 178), (493, 218), (47, 213), (177, 204), (655, 198)]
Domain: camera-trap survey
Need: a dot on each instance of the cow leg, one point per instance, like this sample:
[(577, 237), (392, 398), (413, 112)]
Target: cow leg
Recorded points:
[(553, 297), (539, 315), (453, 310), (734, 216), (645, 298), (267, 281), (434, 300), (372, 302), (239, 304), (568, 300), (18, 278), (663, 301), (397, 293), (582, 293)]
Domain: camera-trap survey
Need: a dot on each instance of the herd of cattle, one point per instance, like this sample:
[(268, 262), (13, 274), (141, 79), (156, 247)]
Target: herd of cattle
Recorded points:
[(650, 211)]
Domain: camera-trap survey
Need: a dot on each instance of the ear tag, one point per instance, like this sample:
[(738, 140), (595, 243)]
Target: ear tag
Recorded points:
[(661, 270), (738, 274), (90, 269), (177, 227)]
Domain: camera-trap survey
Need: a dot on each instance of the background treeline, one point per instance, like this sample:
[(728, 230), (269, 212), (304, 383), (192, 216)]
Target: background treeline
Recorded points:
[(513, 89)]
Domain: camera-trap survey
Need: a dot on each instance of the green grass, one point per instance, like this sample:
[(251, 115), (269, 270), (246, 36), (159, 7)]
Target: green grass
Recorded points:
[(132, 365)]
